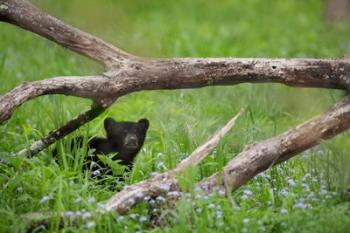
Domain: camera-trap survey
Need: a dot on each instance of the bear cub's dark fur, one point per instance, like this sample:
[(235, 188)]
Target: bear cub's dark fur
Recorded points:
[(124, 138)]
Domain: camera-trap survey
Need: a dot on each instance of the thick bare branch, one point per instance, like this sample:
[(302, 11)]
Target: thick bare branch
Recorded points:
[(127, 73), (198, 72), (259, 157), (185, 73), (93, 87), (57, 134), (25, 15)]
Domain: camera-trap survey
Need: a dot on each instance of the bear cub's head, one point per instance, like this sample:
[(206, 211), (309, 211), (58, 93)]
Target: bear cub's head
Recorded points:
[(125, 135)]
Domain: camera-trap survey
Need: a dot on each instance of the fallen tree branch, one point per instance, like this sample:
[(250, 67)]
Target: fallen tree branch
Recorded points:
[(184, 73), (259, 157), (105, 90), (125, 73), (25, 15), (152, 188), (86, 86)]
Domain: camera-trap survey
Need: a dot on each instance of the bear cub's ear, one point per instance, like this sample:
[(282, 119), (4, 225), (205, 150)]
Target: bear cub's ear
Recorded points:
[(109, 122), (144, 123)]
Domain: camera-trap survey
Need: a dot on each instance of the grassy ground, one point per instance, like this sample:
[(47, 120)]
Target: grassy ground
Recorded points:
[(304, 195)]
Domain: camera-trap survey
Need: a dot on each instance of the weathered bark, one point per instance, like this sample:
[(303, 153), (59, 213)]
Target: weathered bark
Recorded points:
[(126, 73), (259, 157), (183, 73), (89, 87), (25, 15)]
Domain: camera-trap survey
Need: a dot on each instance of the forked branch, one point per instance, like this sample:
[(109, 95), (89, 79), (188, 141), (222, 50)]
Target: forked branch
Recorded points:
[(183, 73), (125, 73)]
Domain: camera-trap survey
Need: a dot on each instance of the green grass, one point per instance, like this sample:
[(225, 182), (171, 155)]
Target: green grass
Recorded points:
[(305, 194)]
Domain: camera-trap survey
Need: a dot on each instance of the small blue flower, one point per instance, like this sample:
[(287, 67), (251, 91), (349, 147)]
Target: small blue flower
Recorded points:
[(218, 213), (142, 219), (90, 224), (284, 211), (284, 192), (291, 182), (248, 192), (86, 215), (96, 173), (120, 218), (45, 198), (91, 199)]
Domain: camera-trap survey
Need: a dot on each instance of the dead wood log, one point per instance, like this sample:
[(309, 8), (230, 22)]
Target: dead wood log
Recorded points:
[(260, 156), (125, 73)]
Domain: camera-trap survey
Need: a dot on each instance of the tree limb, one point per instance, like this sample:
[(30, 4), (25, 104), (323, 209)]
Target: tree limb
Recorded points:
[(25, 15), (259, 157), (199, 72), (89, 87), (126, 73), (184, 73)]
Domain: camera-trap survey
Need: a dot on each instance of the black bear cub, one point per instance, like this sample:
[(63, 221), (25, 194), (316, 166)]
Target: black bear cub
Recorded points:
[(124, 139)]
